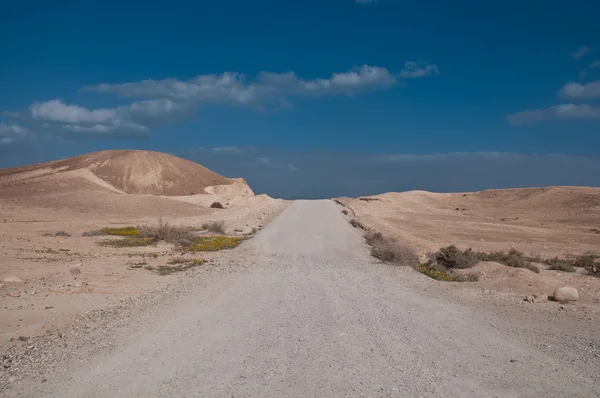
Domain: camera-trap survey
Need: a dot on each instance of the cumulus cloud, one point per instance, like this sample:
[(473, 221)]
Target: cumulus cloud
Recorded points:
[(554, 113), (233, 88), (414, 69), (10, 133), (57, 111), (168, 100), (580, 91), (580, 52)]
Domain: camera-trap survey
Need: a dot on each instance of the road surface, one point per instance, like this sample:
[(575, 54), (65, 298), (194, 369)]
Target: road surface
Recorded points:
[(313, 315)]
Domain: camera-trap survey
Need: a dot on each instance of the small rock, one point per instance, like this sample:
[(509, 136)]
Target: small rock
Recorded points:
[(22, 338), (11, 294), (537, 298), (12, 279), (566, 294)]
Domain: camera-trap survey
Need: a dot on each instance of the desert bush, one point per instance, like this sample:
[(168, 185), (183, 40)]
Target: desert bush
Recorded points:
[(364, 199), (559, 264), (452, 257), (595, 230), (512, 258), (217, 227), (584, 261), (345, 212), (357, 224), (390, 251), (166, 232), (216, 205), (58, 233), (339, 202)]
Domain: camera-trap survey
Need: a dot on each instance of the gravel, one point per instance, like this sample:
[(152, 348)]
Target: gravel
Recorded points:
[(302, 310)]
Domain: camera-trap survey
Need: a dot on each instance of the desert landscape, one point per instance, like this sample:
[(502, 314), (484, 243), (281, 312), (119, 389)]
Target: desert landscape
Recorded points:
[(106, 251), (543, 224), (50, 270)]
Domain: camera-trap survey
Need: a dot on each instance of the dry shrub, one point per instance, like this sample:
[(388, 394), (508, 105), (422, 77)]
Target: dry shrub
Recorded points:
[(452, 257), (390, 251), (216, 205), (345, 212), (357, 224), (339, 202), (59, 233), (364, 199), (512, 258), (217, 227), (585, 261), (558, 264), (595, 230), (166, 232)]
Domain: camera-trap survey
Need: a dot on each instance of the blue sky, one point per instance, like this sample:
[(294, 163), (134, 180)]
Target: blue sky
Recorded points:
[(398, 85)]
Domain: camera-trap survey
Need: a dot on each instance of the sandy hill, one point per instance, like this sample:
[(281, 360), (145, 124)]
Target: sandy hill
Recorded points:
[(123, 171)]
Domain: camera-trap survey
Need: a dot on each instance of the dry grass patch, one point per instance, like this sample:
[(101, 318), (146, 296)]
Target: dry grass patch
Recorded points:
[(176, 265), (436, 273), (130, 241), (211, 243), (123, 231)]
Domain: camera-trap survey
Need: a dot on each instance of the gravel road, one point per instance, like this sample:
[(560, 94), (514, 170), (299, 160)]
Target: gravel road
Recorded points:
[(311, 314)]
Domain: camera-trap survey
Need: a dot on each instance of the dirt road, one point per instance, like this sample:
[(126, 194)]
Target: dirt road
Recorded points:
[(311, 314)]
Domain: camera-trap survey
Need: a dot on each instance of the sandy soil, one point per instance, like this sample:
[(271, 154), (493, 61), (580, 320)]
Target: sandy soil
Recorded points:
[(44, 280), (554, 221)]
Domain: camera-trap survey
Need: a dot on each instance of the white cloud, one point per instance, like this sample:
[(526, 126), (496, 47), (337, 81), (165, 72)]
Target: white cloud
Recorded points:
[(553, 113), (57, 111), (232, 88), (292, 167), (414, 69), (365, 1), (10, 133), (263, 160), (167, 100), (228, 87), (580, 91), (595, 64), (228, 149), (580, 52)]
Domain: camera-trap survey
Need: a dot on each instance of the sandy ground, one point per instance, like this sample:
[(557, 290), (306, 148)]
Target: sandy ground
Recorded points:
[(303, 310), (44, 281), (555, 221)]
